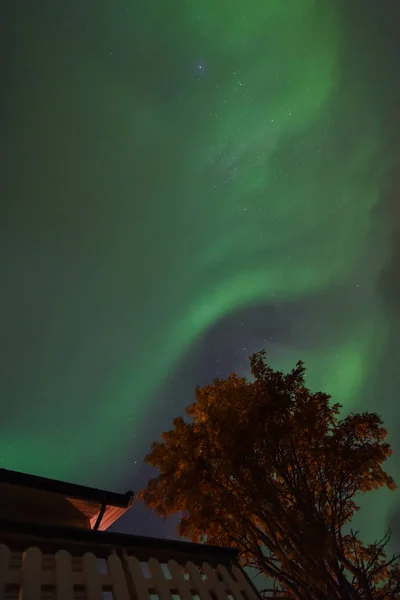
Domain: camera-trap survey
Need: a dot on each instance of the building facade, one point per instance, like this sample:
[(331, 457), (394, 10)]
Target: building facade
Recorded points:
[(54, 545)]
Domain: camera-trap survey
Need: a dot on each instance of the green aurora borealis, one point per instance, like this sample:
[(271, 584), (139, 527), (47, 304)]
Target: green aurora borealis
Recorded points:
[(165, 165)]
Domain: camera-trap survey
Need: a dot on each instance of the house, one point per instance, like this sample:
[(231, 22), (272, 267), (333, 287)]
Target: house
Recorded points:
[(31, 499), (54, 545)]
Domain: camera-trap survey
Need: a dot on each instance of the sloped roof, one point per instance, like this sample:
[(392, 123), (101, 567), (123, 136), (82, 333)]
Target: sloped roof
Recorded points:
[(95, 504)]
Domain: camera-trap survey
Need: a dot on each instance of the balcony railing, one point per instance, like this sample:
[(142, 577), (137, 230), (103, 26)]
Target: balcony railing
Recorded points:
[(46, 563)]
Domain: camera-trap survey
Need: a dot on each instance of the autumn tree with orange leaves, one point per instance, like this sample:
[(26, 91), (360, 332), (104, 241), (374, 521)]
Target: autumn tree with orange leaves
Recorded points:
[(270, 468)]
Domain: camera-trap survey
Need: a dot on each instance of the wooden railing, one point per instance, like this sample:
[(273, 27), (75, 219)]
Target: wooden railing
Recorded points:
[(33, 575)]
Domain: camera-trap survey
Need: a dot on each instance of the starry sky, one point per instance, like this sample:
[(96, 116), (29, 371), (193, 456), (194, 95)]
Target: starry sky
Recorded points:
[(184, 183)]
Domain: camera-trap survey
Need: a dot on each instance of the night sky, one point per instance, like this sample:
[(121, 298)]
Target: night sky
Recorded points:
[(184, 183)]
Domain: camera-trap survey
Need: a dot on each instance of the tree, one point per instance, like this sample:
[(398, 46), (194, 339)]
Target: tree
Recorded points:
[(271, 468)]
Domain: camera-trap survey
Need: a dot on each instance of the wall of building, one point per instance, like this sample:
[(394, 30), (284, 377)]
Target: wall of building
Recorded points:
[(36, 506)]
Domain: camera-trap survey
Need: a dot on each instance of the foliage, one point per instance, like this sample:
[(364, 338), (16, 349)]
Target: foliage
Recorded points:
[(271, 468)]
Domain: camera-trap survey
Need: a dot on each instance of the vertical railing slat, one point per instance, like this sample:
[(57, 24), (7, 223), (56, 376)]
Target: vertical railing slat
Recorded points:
[(31, 575), (118, 580), (214, 583), (244, 583), (94, 588), (231, 584), (160, 583), (5, 554), (139, 580), (179, 580), (64, 578), (198, 581)]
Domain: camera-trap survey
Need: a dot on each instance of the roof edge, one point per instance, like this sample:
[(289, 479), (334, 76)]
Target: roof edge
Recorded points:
[(70, 490), (102, 542)]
